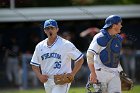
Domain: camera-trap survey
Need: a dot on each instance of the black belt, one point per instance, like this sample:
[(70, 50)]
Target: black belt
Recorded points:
[(98, 69)]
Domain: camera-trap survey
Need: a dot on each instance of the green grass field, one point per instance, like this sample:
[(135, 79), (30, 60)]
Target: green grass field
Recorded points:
[(136, 89)]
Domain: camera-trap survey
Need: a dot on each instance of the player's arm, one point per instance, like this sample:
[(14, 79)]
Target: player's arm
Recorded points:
[(90, 62), (42, 78), (36, 66), (77, 66)]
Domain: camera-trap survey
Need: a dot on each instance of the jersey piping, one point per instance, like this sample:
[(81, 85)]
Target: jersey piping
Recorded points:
[(78, 58)]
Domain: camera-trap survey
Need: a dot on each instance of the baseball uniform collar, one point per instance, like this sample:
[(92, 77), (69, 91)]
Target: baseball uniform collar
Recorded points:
[(53, 43)]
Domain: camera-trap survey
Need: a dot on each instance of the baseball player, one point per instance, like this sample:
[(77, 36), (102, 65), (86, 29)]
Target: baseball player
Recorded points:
[(52, 56), (103, 56)]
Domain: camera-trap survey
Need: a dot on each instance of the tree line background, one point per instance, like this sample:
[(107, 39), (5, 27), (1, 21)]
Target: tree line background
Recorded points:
[(57, 3)]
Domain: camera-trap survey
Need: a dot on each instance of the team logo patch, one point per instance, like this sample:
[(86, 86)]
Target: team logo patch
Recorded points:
[(73, 48), (116, 45)]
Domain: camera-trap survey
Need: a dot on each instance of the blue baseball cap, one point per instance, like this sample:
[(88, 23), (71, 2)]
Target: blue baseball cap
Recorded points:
[(50, 22), (112, 19)]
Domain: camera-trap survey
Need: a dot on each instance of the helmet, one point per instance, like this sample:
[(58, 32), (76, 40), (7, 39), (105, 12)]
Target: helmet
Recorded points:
[(112, 19), (50, 22)]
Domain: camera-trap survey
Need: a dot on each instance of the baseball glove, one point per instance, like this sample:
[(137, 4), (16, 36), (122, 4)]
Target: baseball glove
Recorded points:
[(63, 79), (126, 82)]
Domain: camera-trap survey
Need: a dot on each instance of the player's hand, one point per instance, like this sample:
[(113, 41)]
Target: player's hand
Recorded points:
[(43, 78), (93, 78)]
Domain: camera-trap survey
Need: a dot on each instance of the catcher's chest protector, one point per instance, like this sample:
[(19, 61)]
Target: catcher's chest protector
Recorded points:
[(111, 54)]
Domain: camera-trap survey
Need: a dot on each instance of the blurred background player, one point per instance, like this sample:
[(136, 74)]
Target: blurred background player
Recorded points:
[(12, 63), (89, 33), (53, 56), (128, 57), (103, 56)]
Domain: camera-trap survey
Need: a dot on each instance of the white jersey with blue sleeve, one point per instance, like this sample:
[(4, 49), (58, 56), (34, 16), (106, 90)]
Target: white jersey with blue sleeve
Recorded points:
[(55, 59)]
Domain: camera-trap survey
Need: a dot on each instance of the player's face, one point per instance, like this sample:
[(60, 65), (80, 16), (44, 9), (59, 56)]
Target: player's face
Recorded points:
[(118, 27), (51, 31)]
